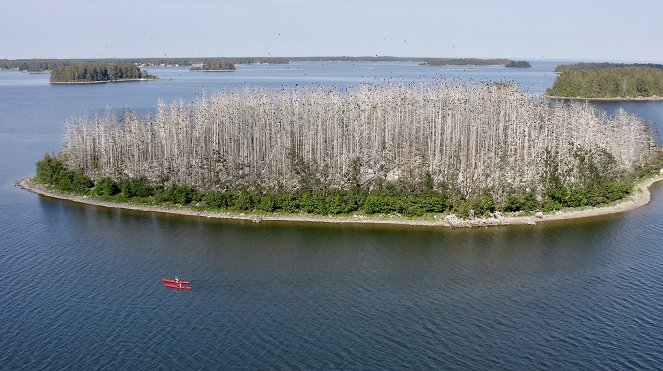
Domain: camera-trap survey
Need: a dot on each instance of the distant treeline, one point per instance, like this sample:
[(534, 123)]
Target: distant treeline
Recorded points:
[(465, 62), (42, 65), (220, 65), (97, 73), (609, 82), (596, 66)]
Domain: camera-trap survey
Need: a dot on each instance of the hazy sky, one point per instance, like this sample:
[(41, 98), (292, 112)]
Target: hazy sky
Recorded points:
[(555, 29)]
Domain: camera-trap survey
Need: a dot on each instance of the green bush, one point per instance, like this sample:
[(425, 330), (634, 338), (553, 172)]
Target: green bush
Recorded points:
[(178, 194), (52, 171), (266, 203), (106, 187), (136, 187), (244, 201), (219, 200)]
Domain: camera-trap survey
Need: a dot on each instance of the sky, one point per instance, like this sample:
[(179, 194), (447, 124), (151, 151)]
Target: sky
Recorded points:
[(590, 30)]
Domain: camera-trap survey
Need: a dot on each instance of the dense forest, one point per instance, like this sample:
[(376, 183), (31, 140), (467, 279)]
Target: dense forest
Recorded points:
[(609, 82), (219, 65), (98, 73), (408, 149), (596, 66)]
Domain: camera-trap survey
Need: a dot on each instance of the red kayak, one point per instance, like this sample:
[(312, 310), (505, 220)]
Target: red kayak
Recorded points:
[(178, 287), (166, 280)]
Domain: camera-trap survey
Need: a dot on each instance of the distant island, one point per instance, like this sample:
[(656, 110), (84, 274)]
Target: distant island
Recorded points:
[(214, 66), (437, 151), (518, 64), (607, 82), (96, 73)]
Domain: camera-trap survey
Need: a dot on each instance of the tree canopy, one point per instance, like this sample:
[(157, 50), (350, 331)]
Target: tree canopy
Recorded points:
[(97, 73), (218, 65), (609, 82)]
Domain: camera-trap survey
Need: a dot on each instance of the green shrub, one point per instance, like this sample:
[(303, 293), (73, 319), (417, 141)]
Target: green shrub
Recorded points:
[(136, 187), (178, 194), (244, 201), (52, 171), (266, 203), (219, 200), (106, 187)]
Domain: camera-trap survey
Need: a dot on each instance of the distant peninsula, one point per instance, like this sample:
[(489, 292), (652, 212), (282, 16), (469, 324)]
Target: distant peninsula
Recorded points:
[(214, 66), (98, 73), (608, 82)]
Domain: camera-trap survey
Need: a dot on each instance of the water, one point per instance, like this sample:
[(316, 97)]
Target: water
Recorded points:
[(82, 283)]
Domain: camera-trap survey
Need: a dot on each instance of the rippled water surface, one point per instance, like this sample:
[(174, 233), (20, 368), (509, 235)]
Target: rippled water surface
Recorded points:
[(82, 284)]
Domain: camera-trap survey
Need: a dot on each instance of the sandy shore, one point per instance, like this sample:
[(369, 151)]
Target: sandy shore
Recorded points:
[(638, 198)]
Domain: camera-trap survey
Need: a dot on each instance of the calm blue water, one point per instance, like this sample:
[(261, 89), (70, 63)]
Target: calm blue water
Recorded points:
[(81, 284)]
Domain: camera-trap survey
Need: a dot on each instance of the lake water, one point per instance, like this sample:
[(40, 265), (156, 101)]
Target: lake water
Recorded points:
[(81, 284)]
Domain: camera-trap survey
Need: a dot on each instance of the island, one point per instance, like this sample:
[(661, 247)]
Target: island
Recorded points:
[(608, 82), (442, 153), (214, 66), (518, 64), (98, 73)]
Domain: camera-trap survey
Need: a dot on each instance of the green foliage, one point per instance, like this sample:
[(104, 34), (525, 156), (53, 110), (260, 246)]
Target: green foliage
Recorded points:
[(266, 203), (49, 169), (518, 64), (482, 205), (106, 187), (52, 171), (413, 200), (219, 200), (244, 201), (136, 187), (215, 65), (611, 82), (97, 72), (178, 194), (520, 201), (596, 66)]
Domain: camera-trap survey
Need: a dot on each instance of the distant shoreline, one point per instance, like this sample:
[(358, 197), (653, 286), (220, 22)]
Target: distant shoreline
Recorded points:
[(616, 99), (96, 82), (211, 70), (639, 197)]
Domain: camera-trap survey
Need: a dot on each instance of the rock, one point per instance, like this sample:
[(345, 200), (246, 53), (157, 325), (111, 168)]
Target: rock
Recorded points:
[(539, 215)]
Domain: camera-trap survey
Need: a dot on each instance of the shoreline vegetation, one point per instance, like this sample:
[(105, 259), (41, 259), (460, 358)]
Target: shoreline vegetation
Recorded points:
[(638, 197)]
